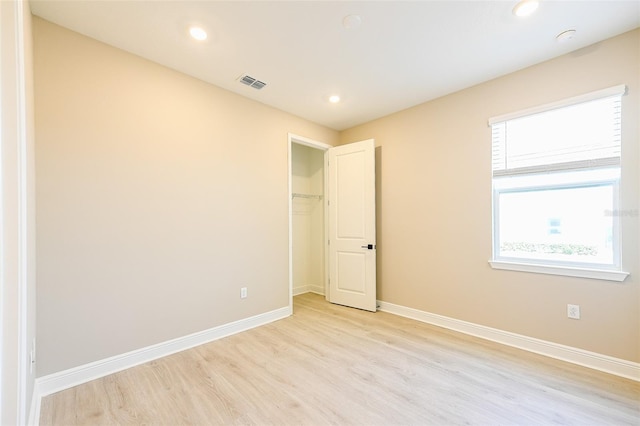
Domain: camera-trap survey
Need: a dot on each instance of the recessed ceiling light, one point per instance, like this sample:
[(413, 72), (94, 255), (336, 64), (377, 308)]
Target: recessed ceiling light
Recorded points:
[(565, 36), (525, 7), (334, 99), (198, 33), (352, 21)]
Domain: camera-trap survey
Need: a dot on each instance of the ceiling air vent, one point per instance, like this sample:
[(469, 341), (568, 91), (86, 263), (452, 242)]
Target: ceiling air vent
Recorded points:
[(252, 82)]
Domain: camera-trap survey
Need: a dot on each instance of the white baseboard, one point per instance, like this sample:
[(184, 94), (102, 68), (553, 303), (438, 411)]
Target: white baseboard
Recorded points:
[(301, 289), (62, 380), (309, 288), (317, 289), (596, 361)]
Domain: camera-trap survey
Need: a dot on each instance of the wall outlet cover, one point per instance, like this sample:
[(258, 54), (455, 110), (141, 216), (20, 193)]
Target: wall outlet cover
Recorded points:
[(573, 311)]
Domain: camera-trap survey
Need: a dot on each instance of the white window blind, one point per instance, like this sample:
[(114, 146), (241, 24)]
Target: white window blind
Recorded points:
[(582, 132), (556, 172)]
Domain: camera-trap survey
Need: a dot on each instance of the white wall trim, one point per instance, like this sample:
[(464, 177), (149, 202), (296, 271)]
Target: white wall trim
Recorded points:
[(16, 378), (24, 368), (598, 274), (66, 379), (301, 140), (302, 289), (36, 403), (605, 363), (309, 288), (316, 289)]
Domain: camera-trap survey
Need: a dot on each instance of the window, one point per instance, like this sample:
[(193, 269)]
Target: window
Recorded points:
[(556, 177)]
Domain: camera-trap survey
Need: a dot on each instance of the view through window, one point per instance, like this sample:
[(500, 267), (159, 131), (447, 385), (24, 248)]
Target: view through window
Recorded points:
[(556, 175)]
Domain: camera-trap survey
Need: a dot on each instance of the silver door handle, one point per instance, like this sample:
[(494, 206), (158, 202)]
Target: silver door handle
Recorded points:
[(369, 247)]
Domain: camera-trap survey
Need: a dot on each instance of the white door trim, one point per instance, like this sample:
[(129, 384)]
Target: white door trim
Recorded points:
[(16, 379), (301, 140)]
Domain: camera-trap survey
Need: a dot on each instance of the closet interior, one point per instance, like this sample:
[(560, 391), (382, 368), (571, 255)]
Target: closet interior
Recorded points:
[(308, 232)]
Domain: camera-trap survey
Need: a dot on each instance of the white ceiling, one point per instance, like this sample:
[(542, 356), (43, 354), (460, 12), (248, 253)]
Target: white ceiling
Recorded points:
[(402, 54)]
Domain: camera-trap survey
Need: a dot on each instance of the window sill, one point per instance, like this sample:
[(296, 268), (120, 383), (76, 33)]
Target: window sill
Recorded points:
[(598, 274)]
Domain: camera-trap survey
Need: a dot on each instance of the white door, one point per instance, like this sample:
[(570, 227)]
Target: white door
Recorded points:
[(352, 225)]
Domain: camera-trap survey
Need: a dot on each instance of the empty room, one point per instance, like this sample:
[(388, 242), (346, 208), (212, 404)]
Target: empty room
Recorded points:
[(320, 212)]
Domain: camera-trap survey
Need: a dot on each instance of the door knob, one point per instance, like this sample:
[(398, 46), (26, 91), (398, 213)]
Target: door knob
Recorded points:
[(369, 246)]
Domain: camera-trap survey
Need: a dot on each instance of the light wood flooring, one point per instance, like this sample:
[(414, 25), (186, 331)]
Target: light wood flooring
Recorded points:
[(329, 364)]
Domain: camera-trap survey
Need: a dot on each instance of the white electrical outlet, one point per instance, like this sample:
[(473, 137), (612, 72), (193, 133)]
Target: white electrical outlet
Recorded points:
[(243, 293), (573, 311)]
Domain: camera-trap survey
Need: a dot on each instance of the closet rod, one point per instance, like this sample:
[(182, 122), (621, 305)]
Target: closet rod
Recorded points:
[(299, 195)]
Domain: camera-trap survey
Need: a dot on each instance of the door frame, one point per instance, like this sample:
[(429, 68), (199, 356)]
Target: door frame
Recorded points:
[(17, 297), (301, 140)]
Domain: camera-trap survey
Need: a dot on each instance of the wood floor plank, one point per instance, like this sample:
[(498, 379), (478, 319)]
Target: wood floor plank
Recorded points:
[(328, 364)]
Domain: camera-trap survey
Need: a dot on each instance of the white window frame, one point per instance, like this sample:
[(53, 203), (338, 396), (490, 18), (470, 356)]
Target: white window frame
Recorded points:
[(612, 272)]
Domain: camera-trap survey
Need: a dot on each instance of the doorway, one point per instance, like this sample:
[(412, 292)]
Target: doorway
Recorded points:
[(332, 248), (307, 212)]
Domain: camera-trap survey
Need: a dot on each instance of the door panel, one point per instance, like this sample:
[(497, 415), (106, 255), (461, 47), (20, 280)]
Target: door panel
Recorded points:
[(350, 171), (352, 254), (350, 274)]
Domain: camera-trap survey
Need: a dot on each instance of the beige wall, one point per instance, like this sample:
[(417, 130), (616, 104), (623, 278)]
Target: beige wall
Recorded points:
[(159, 196), (434, 208)]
